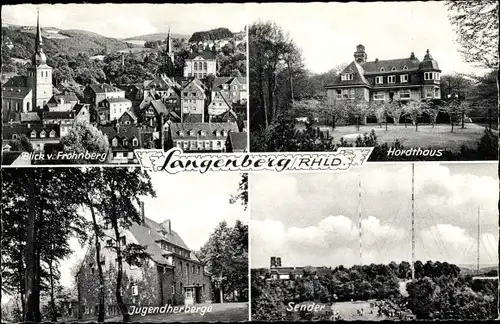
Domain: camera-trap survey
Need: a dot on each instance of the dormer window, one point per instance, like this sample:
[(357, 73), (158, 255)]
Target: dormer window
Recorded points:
[(379, 80), (382, 69), (202, 133), (33, 134), (135, 142), (346, 76), (393, 68), (404, 78), (125, 142), (52, 133), (114, 142), (181, 133), (42, 134), (405, 68)]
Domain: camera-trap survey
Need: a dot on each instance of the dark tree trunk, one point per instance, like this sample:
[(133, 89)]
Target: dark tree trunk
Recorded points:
[(100, 316), (52, 295), (119, 298), (262, 99), (463, 119), (32, 307), (333, 122)]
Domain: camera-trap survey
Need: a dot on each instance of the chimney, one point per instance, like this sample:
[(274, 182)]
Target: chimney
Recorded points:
[(143, 214), (278, 261), (273, 262), (412, 56), (360, 54), (376, 60), (167, 226)]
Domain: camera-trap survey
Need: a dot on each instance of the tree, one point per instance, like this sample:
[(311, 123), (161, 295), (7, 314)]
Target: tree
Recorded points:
[(82, 138), (456, 110), (394, 110), (476, 26), (120, 192), (242, 195), (414, 109), (22, 144), (358, 111)]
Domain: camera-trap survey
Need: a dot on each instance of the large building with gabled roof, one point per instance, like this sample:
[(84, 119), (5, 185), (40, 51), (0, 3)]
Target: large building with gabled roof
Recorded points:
[(200, 65), (170, 275), (381, 81)]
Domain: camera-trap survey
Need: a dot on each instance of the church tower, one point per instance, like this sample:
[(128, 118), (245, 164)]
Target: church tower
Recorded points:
[(169, 51), (39, 73)]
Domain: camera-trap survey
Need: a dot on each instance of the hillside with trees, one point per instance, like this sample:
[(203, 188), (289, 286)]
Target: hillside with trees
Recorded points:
[(213, 34), (438, 291)]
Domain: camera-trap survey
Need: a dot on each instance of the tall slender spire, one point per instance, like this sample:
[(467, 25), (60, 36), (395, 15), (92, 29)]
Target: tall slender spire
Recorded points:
[(360, 224), (478, 237), (39, 41), (168, 41)]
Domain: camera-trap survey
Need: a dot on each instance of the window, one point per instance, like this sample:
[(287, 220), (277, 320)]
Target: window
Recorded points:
[(339, 94), (379, 95), (382, 69), (404, 94), (135, 290), (347, 76), (393, 68), (352, 93), (42, 134), (123, 241), (345, 93), (379, 80), (33, 134), (14, 136), (437, 93), (198, 269), (404, 78), (109, 242), (124, 142), (391, 79), (429, 75), (135, 142), (114, 142), (437, 76), (429, 93)]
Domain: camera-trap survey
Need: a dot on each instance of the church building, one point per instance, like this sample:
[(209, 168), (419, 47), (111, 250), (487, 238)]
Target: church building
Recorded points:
[(23, 94)]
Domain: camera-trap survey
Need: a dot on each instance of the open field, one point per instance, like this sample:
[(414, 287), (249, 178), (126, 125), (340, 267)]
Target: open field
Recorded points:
[(437, 137), (348, 311)]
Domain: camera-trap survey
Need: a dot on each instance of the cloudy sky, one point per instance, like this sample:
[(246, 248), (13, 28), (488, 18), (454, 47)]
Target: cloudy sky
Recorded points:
[(328, 33), (194, 203), (127, 20), (312, 219)]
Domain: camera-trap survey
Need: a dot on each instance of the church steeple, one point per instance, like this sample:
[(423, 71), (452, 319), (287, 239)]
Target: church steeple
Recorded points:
[(169, 46), (39, 41), (39, 56)]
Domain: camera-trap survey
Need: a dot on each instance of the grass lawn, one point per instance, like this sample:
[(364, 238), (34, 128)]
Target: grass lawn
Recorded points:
[(227, 312), (348, 311), (437, 137)]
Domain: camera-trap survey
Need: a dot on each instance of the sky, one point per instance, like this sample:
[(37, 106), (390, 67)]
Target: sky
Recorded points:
[(194, 203), (328, 33), (128, 20), (312, 219)]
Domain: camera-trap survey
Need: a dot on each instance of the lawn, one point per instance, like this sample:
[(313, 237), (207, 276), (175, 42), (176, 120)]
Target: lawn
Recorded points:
[(437, 137), (227, 312), (348, 311)]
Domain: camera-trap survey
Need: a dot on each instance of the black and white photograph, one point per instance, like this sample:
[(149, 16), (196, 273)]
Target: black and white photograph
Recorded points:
[(392, 242), (89, 83), (119, 244), (415, 80)]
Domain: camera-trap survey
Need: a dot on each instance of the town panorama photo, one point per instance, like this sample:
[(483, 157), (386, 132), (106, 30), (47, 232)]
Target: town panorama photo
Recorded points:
[(80, 88)]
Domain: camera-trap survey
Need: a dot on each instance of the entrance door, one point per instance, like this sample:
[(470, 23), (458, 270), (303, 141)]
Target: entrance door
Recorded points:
[(198, 295)]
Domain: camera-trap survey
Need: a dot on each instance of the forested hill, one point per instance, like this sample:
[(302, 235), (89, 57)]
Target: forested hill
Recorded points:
[(213, 34), (69, 42), (155, 37)]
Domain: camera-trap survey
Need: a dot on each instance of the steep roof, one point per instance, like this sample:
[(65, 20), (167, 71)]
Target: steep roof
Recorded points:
[(375, 67), (67, 97), (80, 106), (219, 81), (58, 115), (210, 130), (128, 131), (205, 55), (9, 130), (238, 140), (159, 107), (17, 81), (131, 113), (151, 232), (102, 88), (358, 76), (112, 100), (15, 92), (30, 117)]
